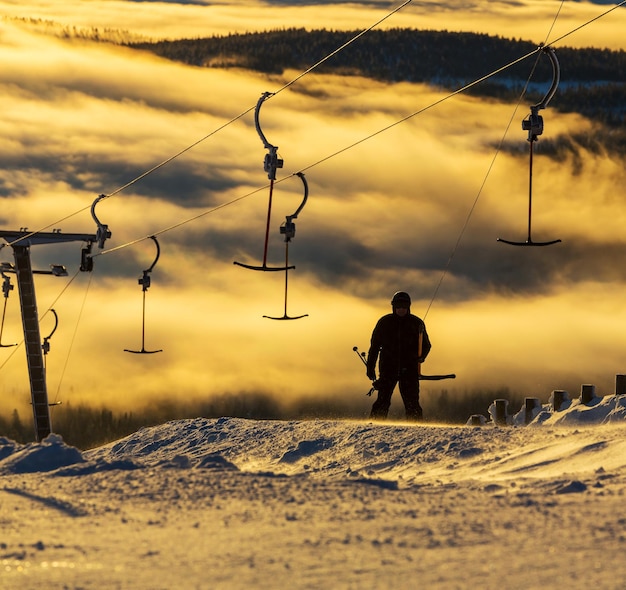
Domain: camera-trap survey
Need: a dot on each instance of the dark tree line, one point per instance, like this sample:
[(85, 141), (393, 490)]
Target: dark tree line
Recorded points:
[(87, 427), (593, 80)]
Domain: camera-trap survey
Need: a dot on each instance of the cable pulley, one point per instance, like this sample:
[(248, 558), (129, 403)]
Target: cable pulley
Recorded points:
[(534, 125), (145, 282), (271, 163), (86, 259), (288, 229)]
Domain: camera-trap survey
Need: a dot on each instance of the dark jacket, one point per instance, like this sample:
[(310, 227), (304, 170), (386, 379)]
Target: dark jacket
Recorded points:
[(396, 339)]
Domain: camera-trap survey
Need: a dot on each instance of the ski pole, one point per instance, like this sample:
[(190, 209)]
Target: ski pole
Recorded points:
[(361, 355), (422, 377)]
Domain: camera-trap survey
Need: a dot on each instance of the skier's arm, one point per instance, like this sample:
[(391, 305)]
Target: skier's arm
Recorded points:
[(372, 355)]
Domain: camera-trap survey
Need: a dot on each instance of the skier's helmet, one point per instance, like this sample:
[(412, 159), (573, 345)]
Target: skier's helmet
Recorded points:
[(401, 299)]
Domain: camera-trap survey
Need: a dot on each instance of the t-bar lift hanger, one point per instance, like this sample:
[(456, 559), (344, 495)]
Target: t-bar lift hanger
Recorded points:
[(534, 125), (144, 281), (45, 347), (7, 287), (271, 163), (288, 229)]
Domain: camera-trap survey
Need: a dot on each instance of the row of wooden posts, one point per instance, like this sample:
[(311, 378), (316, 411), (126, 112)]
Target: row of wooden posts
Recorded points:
[(587, 394)]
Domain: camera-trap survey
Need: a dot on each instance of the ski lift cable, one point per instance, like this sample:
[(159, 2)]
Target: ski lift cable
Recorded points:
[(78, 320), (326, 158), (583, 25), (424, 109), (342, 47), (309, 70), (490, 168), (224, 125), (320, 161), (19, 344), (335, 52), (355, 144), (269, 95)]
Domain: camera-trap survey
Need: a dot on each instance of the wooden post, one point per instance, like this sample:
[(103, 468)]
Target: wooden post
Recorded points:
[(587, 393), (558, 397), (530, 403), (620, 384), (501, 405)]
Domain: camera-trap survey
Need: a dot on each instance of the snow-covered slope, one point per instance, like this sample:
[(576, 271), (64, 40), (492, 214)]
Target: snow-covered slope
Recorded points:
[(233, 503)]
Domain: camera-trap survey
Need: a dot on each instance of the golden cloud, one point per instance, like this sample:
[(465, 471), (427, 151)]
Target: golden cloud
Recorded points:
[(82, 119)]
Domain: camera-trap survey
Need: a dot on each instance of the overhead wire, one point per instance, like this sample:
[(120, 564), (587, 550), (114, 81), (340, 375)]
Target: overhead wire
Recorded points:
[(287, 85), (328, 157), (490, 167), (250, 109), (333, 154), (322, 160), (582, 26), (384, 129), (342, 47), (223, 126), (45, 313), (69, 351)]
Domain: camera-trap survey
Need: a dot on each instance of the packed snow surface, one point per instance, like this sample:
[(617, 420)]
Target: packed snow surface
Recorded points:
[(234, 503)]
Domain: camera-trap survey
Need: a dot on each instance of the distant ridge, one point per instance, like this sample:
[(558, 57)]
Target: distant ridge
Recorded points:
[(593, 81)]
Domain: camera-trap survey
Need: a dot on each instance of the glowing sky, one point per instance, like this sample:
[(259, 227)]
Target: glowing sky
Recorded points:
[(80, 119)]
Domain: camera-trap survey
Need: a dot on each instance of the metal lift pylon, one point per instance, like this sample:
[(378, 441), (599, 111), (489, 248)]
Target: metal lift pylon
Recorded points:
[(21, 242)]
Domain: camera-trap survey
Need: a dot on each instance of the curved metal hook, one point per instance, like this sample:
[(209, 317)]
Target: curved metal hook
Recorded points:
[(158, 254), (304, 198), (288, 228), (272, 161), (556, 77), (46, 341), (257, 124), (534, 123), (103, 232), (144, 281)]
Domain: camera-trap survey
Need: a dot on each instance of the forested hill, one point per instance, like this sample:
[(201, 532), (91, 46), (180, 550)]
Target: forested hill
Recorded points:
[(593, 81)]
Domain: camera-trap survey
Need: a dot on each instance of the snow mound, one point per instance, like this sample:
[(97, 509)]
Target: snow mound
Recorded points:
[(52, 453), (580, 438), (609, 409), (386, 455)]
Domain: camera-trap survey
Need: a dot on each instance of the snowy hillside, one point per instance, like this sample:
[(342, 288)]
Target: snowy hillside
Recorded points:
[(233, 503)]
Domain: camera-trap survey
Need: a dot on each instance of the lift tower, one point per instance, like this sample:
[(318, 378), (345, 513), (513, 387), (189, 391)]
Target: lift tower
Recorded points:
[(21, 241)]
